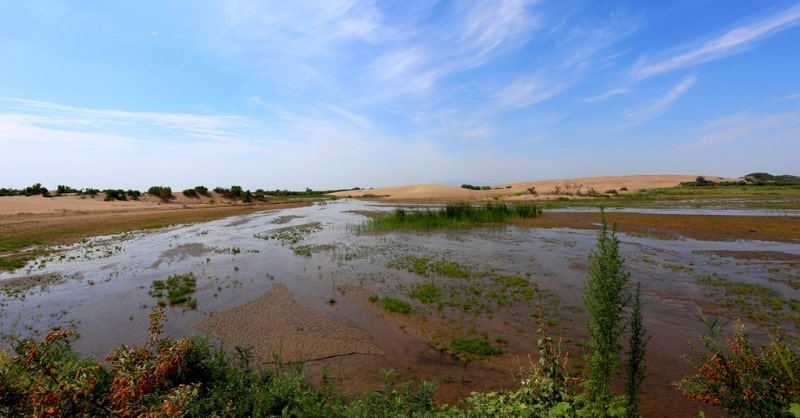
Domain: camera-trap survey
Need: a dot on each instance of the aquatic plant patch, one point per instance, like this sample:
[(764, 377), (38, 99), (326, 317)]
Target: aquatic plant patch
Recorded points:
[(176, 289), (452, 215), (427, 267), (290, 235), (396, 305), (480, 347), (758, 302)]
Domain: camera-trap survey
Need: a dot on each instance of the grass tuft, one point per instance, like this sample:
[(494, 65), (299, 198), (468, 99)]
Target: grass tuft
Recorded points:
[(452, 215)]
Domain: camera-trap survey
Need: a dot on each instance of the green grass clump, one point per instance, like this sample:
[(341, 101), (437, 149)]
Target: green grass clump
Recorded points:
[(176, 288), (396, 305), (290, 235), (12, 263), (427, 293), (452, 215), (426, 267), (302, 250), (477, 346)]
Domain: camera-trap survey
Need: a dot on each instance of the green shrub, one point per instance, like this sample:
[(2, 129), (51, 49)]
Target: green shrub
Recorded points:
[(115, 194), (62, 189), (162, 192), (606, 297), (744, 379), (191, 193)]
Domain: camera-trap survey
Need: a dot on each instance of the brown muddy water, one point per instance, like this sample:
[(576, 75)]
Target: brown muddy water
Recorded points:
[(490, 283)]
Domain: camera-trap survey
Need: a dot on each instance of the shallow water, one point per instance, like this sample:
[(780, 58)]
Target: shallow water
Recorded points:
[(100, 287)]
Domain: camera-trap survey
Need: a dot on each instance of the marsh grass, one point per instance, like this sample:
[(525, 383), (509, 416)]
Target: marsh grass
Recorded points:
[(428, 267), (176, 289), (396, 305), (11, 258), (428, 293), (290, 235), (758, 302), (480, 347), (452, 215)]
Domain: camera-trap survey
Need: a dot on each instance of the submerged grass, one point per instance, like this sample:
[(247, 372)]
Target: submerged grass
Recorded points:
[(480, 347), (452, 215), (176, 288), (758, 302), (396, 305)]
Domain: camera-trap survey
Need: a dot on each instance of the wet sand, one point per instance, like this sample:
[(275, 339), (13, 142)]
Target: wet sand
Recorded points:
[(280, 330)]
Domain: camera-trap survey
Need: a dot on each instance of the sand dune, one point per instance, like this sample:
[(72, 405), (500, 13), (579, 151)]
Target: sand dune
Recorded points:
[(545, 189)]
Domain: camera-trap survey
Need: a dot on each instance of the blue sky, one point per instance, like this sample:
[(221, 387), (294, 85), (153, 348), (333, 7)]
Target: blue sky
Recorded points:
[(339, 94)]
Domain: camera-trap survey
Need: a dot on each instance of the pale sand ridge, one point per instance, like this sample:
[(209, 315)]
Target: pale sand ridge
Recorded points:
[(546, 189)]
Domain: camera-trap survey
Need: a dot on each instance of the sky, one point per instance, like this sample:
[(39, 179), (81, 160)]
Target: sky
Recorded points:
[(334, 94)]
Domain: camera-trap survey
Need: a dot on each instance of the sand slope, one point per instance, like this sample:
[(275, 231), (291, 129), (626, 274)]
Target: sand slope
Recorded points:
[(18, 205), (546, 189)]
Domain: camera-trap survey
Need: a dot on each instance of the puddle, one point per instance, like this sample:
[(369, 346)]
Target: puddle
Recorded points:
[(100, 289)]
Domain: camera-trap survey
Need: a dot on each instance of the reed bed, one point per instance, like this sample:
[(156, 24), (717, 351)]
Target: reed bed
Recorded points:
[(452, 215)]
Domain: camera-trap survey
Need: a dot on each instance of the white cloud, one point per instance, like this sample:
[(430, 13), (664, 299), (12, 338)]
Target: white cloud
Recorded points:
[(758, 130), (301, 27), (606, 95), (489, 25), (406, 71), (731, 42), (659, 105), (219, 128), (526, 91)]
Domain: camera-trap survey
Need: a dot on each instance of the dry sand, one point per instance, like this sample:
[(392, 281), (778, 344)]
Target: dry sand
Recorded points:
[(22, 205), (546, 189)]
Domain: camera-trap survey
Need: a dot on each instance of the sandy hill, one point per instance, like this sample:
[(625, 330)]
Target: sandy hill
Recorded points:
[(18, 205), (545, 189)]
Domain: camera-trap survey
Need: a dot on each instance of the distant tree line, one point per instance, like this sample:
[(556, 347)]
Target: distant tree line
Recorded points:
[(164, 193), (471, 187)]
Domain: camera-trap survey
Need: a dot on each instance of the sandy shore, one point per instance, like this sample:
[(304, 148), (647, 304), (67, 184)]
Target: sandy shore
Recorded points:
[(279, 328)]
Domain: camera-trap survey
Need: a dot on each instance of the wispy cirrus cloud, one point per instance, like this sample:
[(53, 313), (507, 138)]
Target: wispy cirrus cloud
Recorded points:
[(607, 95), (300, 27), (206, 127), (488, 26), (755, 128), (527, 91), (732, 42), (659, 105)]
